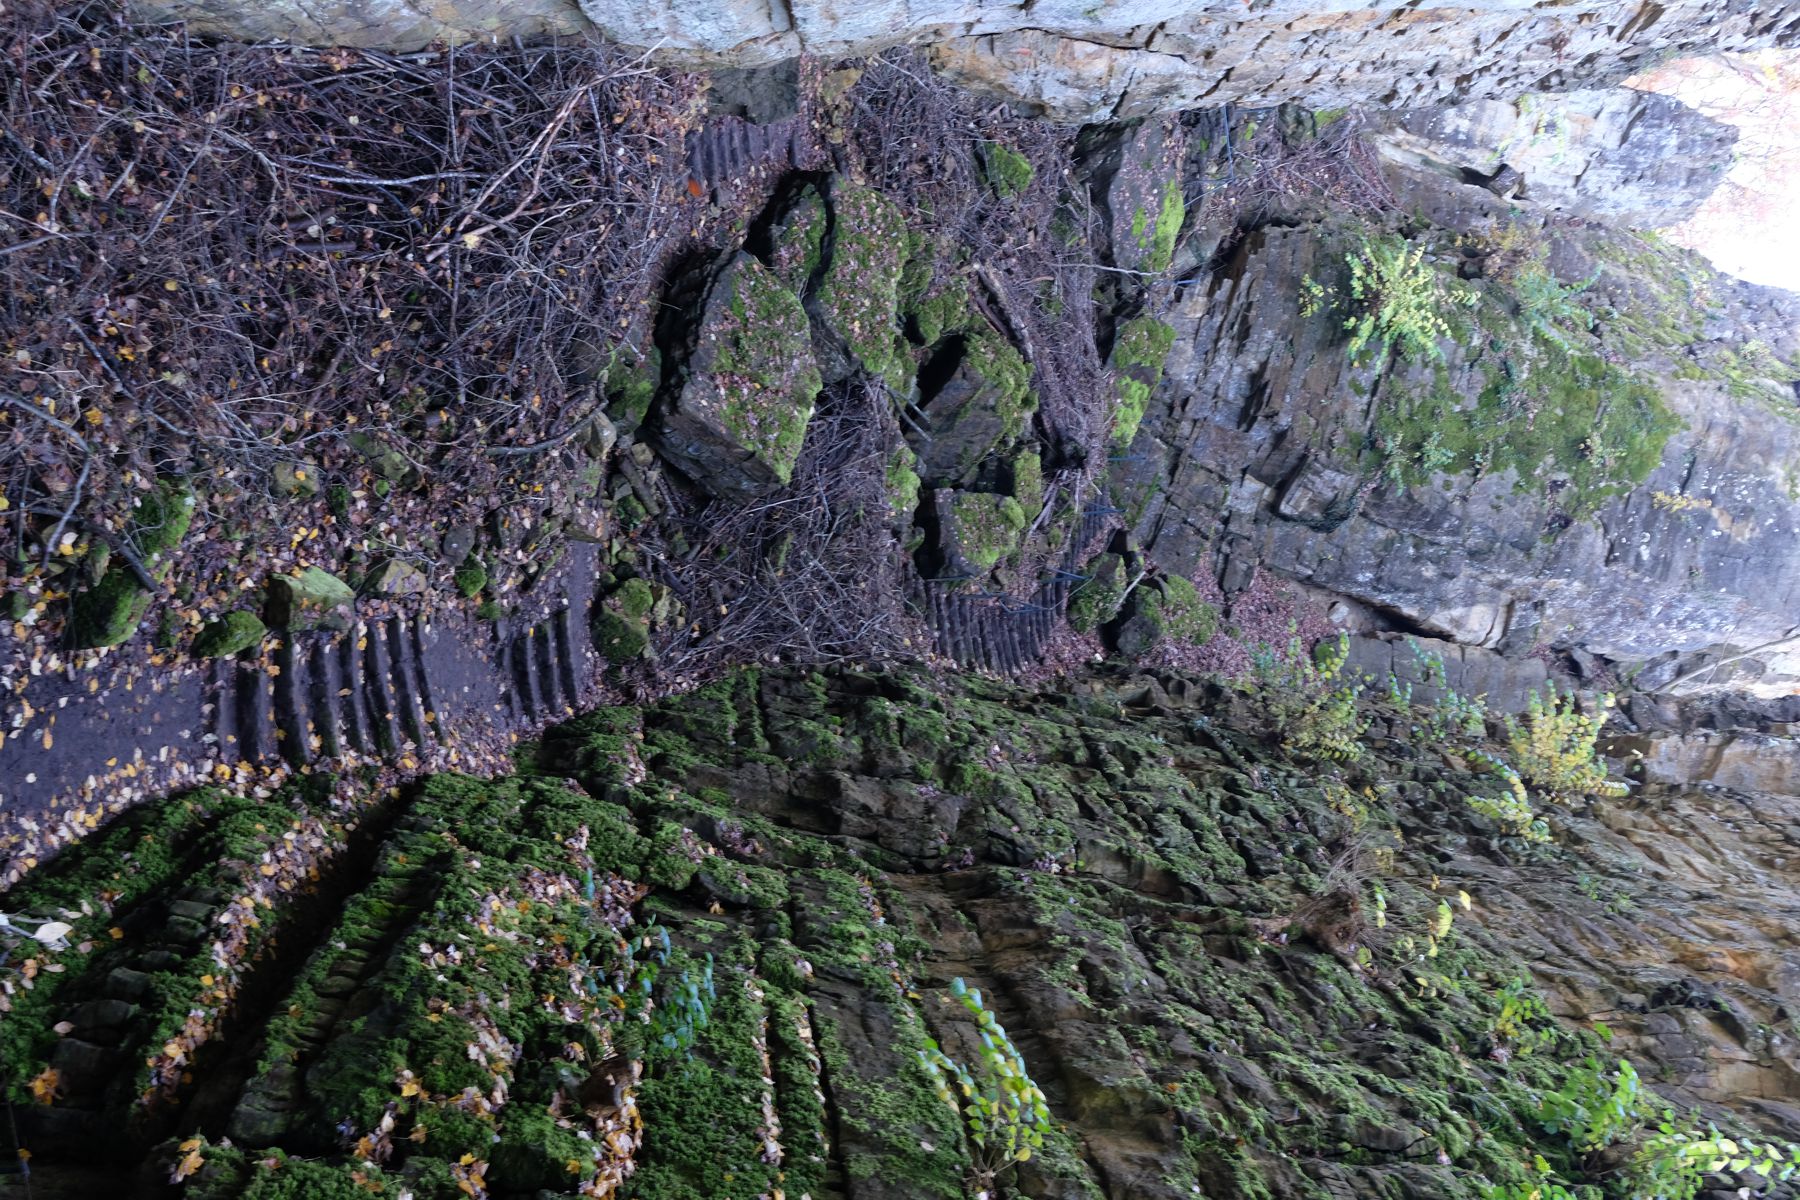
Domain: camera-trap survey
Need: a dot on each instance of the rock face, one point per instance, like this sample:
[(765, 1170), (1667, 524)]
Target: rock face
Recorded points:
[(1210, 955), (1623, 157), (1077, 61), (738, 421), (1268, 445)]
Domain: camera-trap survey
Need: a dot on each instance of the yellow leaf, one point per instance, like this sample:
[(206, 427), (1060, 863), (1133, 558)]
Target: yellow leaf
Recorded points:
[(44, 1087), (471, 240), (1463, 899), (193, 1162)]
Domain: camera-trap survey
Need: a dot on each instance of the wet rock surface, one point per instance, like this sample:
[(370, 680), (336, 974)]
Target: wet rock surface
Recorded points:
[(1168, 916)]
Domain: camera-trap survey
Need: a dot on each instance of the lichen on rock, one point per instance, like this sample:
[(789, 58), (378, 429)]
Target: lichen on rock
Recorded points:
[(858, 298), (738, 421)]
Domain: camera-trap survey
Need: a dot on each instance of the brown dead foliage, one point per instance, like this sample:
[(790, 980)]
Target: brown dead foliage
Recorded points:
[(218, 260)]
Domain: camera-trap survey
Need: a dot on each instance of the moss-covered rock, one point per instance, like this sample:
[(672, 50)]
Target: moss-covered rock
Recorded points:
[(1138, 354), (980, 529), (942, 311), (858, 299), (1225, 967), (1156, 225), (1007, 171), (296, 479), (231, 634), (620, 638), (470, 578), (1027, 472), (902, 479), (309, 599), (797, 241), (393, 467), (983, 407), (737, 425), (109, 612), (1096, 599), (631, 380)]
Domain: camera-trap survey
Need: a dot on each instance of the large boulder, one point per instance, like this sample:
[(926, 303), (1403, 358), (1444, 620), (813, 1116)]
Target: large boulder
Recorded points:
[(737, 423), (981, 405)]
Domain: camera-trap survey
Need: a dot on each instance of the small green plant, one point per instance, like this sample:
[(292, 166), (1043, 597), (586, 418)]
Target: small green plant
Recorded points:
[(1554, 746), (668, 1008), (1547, 306), (1005, 1114), (1394, 301), (1673, 1162), (471, 578), (1539, 1189), (1599, 1108), (1305, 702), (1596, 1107), (1513, 811), (1523, 1023)]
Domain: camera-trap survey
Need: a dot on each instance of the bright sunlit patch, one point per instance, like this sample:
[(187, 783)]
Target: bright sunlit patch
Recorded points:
[(1747, 226)]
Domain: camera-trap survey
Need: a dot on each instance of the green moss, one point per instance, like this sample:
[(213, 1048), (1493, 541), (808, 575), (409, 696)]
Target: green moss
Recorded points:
[(109, 612), (635, 599), (231, 634), (471, 578), (1139, 352), (1002, 367), (986, 527), (764, 377), (943, 312), (859, 296), (1545, 413), (1155, 236), (621, 626), (702, 1115), (798, 243), (902, 481), (1186, 617), (1096, 599), (1007, 171), (630, 383), (1028, 481)]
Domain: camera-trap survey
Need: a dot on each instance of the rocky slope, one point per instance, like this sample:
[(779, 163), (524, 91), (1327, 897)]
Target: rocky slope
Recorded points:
[(924, 374), (1080, 61), (1625, 489), (1233, 971)]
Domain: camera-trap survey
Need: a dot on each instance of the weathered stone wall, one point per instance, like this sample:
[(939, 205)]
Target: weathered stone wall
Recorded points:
[(1260, 453), (1074, 60), (1613, 155), (1210, 954)]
